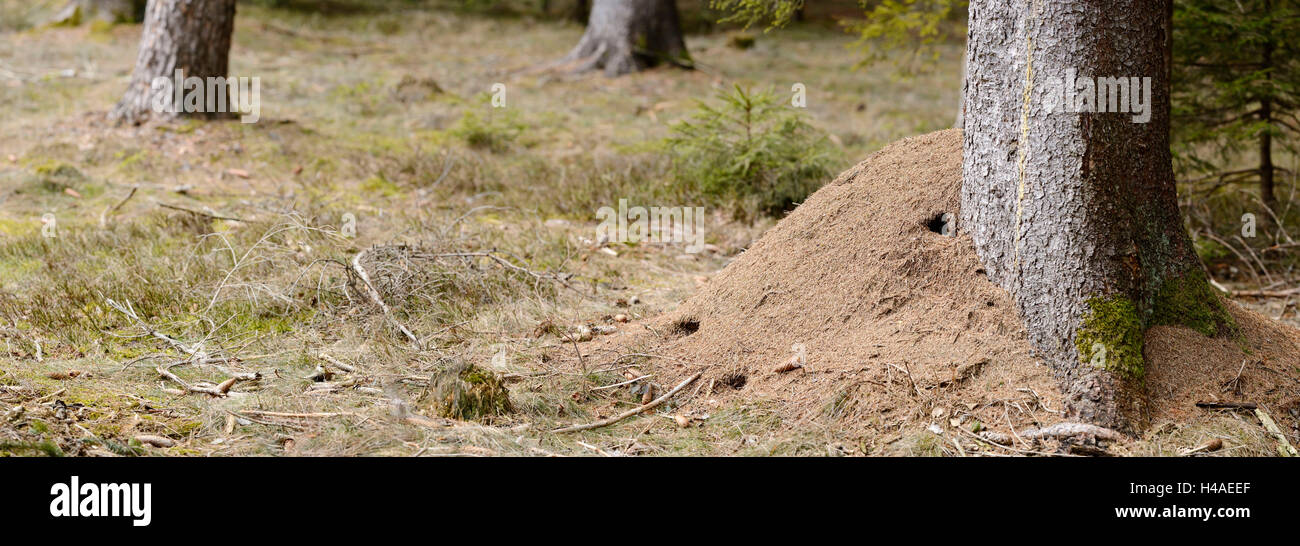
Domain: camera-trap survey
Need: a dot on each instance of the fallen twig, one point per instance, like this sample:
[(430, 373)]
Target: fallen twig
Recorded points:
[(191, 388), (1284, 446), (103, 216), (995, 443), (338, 363), (375, 297), (1266, 293), (320, 415), (1227, 405), (201, 213), (639, 409), (628, 382), (602, 452), (1063, 430)]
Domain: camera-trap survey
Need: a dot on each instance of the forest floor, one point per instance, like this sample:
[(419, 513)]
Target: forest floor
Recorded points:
[(200, 297)]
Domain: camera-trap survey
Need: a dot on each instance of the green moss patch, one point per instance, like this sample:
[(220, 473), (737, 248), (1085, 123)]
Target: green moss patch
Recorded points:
[(1110, 336), (1190, 301), (468, 392)]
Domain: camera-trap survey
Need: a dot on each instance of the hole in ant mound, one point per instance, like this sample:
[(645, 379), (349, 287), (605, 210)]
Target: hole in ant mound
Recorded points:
[(939, 222), (685, 326), (734, 380)]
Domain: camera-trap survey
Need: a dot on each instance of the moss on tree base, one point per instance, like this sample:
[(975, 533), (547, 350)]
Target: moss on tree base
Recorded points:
[(1190, 301), (1110, 335)]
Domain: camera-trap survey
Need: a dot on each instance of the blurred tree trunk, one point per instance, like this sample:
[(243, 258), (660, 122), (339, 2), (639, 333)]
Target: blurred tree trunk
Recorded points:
[(1266, 168), (1076, 214), (630, 35), (188, 35)]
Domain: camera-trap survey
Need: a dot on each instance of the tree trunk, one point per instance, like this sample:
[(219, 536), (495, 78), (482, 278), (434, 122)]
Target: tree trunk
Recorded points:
[(1076, 214), (629, 35), (188, 35), (1266, 169), (1266, 193)]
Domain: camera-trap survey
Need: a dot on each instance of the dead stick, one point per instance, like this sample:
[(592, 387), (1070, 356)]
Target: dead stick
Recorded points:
[(294, 415), (1062, 430), (188, 387), (630, 381), (1284, 447), (640, 409), (1266, 293), (103, 216), (374, 296), (338, 363), (1227, 405), (201, 213)]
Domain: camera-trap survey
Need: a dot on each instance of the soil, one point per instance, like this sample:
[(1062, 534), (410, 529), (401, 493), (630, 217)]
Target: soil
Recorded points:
[(900, 328)]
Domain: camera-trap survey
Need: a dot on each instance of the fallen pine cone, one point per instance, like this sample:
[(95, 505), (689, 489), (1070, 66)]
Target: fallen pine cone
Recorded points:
[(1214, 444), (155, 441), (790, 366), (224, 387), (996, 437)]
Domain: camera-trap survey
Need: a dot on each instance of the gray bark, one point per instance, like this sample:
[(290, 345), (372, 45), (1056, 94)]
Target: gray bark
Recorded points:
[(1066, 207), (191, 35), (630, 35)]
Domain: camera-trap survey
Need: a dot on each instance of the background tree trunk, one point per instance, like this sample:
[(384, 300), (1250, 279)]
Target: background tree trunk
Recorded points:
[(1266, 192), (191, 35), (629, 35), (1076, 214)]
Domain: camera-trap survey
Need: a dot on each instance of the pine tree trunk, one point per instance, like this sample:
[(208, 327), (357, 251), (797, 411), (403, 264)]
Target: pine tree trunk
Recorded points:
[(1076, 214), (1266, 192), (189, 35), (630, 35), (1266, 169)]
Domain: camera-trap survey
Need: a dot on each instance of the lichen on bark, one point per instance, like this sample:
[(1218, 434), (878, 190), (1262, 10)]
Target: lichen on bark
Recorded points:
[(1110, 336)]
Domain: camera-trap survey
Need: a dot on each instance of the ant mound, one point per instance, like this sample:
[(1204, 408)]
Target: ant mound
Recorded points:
[(891, 326)]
